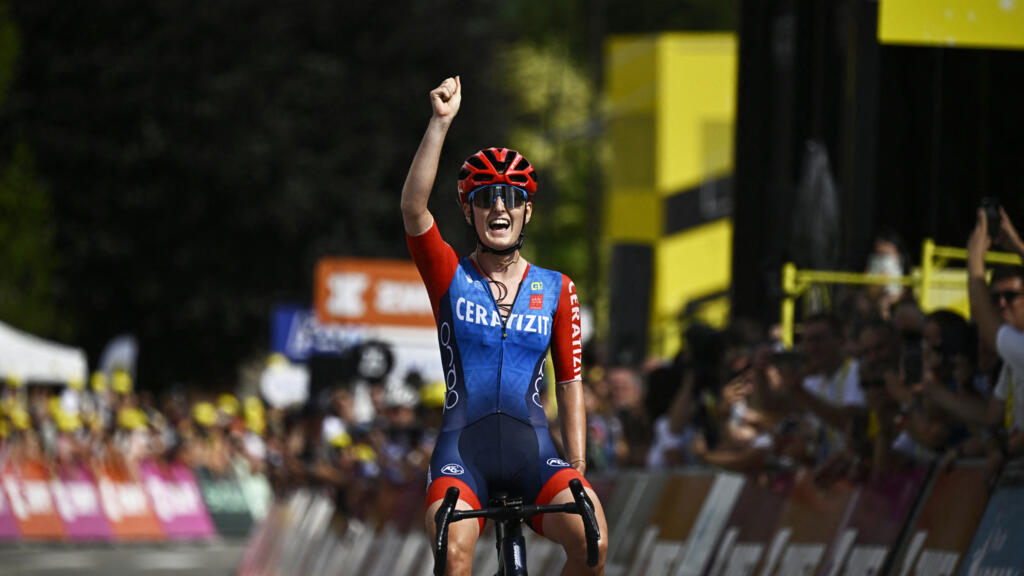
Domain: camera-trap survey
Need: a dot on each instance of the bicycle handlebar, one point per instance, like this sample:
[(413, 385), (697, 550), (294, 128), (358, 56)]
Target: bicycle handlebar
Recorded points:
[(585, 509), (441, 521), (447, 514)]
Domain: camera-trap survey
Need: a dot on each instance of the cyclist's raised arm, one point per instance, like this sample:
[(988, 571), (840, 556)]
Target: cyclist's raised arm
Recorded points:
[(445, 100)]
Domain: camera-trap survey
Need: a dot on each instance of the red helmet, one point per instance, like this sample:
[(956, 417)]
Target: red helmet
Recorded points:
[(496, 166)]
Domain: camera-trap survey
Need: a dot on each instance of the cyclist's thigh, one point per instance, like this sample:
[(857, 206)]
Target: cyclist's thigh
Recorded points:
[(449, 468), (464, 532), (567, 529)]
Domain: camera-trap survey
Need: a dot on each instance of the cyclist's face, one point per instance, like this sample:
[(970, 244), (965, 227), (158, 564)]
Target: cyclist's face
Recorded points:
[(498, 225)]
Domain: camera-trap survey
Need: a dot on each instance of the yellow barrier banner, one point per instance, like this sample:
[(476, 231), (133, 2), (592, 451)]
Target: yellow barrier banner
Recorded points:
[(960, 23)]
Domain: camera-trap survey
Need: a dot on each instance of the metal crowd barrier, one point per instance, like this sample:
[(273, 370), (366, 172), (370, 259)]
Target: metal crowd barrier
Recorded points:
[(702, 522), (928, 281)]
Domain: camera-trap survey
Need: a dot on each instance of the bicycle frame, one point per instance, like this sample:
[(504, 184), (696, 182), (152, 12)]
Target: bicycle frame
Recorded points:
[(508, 521)]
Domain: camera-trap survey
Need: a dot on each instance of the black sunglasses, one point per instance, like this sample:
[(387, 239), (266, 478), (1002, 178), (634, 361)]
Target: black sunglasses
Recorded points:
[(487, 196), (1008, 295)]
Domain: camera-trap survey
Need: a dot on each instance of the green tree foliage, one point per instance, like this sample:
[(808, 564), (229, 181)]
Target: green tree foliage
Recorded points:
[(202, 156), (27, 232), (27, 249), (553, 129)]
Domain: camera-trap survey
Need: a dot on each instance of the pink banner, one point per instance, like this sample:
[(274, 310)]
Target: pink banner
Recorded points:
[(8, 525), (78, 503), (880, 512), (176, 499)]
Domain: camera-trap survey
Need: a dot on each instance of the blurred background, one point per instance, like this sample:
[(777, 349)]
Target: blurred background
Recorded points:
[(200, 234)]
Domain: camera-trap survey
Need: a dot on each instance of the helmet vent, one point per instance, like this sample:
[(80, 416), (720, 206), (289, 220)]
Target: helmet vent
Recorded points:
[(499, 165)]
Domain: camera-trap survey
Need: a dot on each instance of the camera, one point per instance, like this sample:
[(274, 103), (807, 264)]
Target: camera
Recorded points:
[(992, 217)]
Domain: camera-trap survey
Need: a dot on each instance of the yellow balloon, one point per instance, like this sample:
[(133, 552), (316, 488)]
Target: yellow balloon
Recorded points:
[(228, 404), (98, 382), (20, 418), (365, 454), (122, 382), (253, 404), (432, 395), (132, 419), (68, 422), (343, 440), (205, 413)]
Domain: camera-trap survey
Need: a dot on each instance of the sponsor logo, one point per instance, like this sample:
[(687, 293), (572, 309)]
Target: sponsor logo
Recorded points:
[(451, 378), (577, 332), (536, 301), (453, 469), (536, 286), (473, 313), (558, 462), (537, 381)]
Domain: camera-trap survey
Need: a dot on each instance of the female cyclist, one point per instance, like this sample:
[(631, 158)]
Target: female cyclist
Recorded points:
[(497, 316)]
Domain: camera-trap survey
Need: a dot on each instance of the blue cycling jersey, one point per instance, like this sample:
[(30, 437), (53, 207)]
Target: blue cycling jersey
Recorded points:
[(494, 364), (494, 432)]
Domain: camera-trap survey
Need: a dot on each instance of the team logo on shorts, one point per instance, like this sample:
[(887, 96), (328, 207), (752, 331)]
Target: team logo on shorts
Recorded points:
[(558, 462), (453, 469)]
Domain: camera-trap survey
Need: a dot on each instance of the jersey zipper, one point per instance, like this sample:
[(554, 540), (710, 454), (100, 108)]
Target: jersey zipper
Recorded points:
[(504, 326)]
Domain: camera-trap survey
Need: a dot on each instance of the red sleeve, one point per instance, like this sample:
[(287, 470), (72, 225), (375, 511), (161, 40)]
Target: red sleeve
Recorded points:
[(566, 335), (436, 260)]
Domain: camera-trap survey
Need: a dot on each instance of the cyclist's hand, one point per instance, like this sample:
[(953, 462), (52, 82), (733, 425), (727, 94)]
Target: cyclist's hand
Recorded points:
[(446, 99)]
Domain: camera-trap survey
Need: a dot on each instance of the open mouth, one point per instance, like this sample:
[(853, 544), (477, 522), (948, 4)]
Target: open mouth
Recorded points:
[(499, 224)]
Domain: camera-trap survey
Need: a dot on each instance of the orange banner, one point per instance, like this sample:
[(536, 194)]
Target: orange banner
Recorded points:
[(949, 517), (809, 522), (126, 504), (27, 486), (371, 292)]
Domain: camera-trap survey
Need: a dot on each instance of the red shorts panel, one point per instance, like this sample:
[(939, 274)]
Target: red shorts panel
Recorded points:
[(557, 483), (440, 485)]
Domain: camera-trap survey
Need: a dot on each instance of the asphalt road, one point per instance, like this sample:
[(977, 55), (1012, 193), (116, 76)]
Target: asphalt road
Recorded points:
[(217, 558)]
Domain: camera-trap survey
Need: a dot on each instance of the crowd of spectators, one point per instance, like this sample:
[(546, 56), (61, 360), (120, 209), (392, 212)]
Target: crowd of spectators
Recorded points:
[(107, 424), (872, 386)]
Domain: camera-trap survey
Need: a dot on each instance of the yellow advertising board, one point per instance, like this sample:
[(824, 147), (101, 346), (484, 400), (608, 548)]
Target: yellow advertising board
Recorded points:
[(959, 23)]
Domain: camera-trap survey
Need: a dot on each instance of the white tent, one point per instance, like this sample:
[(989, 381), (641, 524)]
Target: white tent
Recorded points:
[(31, 359)]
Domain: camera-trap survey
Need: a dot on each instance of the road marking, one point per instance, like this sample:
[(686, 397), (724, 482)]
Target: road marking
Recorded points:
[(63, 561), (168, 561)]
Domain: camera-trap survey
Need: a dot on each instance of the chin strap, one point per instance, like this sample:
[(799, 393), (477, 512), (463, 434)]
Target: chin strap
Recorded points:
[(504, 251)]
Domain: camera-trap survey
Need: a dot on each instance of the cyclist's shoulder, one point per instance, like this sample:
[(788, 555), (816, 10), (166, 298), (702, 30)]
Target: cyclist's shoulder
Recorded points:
[(550, 278)]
